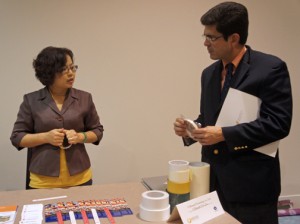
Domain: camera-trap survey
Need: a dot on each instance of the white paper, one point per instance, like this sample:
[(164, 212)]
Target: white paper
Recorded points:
[(7, 217), (32, 214), (240, 107), (201, 209)]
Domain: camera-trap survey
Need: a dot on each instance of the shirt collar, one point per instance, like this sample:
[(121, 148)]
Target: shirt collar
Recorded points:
[(238, 58)]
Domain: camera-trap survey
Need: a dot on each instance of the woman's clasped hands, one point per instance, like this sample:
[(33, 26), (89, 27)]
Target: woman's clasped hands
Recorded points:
[(63, 138)]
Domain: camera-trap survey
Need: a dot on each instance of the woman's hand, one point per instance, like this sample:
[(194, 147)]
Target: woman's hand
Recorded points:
[(73, 137), (55, 137)]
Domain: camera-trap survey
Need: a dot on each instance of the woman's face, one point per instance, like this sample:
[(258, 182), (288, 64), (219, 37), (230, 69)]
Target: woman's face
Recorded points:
[(66, 78)]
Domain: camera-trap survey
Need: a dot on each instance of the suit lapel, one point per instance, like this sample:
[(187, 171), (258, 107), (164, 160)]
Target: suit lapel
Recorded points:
[(213, 96), (46, 98), (68, 102), (241, 72)]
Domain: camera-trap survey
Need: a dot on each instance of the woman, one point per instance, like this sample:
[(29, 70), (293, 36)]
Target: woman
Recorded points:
[(55, 122)]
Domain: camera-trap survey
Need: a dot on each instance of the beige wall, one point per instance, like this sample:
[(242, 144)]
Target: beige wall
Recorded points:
[(142, 62)]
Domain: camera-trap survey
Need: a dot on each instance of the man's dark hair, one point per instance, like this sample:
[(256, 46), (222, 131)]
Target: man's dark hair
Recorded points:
[(49, 62), (229, 18)]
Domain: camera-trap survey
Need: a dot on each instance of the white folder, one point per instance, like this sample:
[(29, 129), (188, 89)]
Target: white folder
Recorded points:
[(240, 107)]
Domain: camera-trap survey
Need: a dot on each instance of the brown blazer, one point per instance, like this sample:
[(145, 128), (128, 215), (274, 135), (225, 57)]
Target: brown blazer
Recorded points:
[(38, 113)]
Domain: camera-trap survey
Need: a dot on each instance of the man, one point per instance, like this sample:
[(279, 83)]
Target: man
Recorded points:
[(247, 182)]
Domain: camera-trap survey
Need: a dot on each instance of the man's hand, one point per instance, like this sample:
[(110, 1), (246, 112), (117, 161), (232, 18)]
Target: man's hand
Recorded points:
[(180, 127), (209, 135)]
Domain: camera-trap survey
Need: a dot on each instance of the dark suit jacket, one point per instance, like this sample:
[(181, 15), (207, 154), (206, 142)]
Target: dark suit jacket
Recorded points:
[(38, 113), (243, 174)]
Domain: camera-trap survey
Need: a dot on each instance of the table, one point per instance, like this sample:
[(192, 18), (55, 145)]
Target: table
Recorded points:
[(131, 192), (291, 219)]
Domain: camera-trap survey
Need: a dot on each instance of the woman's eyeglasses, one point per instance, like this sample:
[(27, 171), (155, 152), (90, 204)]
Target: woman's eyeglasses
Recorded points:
[(66, 69)]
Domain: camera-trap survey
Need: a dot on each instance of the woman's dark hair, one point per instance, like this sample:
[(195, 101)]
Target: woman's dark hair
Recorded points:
[(49, 62), (229, 18)]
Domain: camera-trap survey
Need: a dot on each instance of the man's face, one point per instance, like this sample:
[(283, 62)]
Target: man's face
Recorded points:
[(217, 46)]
